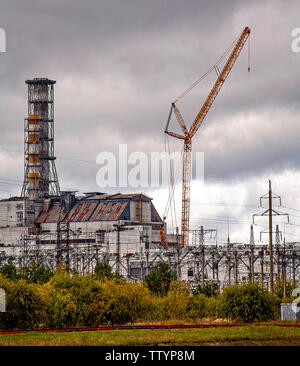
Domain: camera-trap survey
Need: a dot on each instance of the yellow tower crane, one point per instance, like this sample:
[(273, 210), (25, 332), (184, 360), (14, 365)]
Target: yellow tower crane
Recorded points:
[(188, 134)]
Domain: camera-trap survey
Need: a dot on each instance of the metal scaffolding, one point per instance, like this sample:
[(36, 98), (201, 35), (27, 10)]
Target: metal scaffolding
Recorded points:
[(200, 263), (40, 176)]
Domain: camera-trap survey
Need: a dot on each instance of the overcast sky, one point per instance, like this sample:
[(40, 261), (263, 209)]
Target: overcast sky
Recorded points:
[(118, 66)]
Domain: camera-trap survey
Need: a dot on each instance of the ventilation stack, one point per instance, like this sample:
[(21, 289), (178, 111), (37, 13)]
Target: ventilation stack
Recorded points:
[(40, 177)]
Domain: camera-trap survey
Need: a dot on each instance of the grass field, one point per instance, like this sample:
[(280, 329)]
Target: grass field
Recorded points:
[(246, 335)]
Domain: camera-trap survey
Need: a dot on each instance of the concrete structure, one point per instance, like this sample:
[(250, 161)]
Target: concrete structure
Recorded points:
[(40, 177), (59, 221), (52, 227), (289, 311)]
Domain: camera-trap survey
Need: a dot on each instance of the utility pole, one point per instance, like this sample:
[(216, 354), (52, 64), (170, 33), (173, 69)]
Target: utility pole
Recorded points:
[(271, 238), (262, 268), (118, 227), (213, 265), (270, 212), (228, 260), (278, 253), (202, 255), (236, 268), (251, 258), (294, 269), (147, 262), (127, 266), (284, 270)]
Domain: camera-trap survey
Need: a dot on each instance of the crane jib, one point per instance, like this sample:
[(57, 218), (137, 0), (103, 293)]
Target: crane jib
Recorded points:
[(186, 173)]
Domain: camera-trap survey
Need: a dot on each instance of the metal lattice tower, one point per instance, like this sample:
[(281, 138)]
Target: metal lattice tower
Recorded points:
[(40, 177)]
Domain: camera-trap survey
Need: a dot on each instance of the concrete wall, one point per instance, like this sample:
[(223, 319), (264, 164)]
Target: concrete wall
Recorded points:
[(14, 212), (11, 213), (145, 208), (12, 235)]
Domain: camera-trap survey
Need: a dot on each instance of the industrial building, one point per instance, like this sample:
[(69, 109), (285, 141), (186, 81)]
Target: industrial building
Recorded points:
[(51, 226), (115, 221)]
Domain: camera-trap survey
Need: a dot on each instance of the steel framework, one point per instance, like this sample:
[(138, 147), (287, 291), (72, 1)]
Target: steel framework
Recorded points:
[(40, 176), (188, 134)]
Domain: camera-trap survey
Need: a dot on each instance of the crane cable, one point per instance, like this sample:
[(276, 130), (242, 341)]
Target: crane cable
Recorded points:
[(171, 186), (208, 72), (171, 202)]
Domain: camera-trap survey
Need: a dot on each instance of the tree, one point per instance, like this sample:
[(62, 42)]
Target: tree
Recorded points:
[(103, 271), (278, 291), (248, 303), (24, 306), (159, 280), (36, 274), (209, 290), (10, 271)]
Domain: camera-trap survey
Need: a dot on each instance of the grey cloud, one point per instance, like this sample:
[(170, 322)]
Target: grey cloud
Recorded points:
[(120, 63)]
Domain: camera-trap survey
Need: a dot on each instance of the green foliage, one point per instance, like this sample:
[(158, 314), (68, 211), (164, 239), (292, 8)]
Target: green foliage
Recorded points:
[(64, 311), (179, 288), (120, 302), (10, 271), (201, 306), (197, 306), (23, 306), (248, 303), (209, 289), (213, 309), (5, 282), (70, 299), (103, 271), (177, 300), (278, 290), (32, 273), (71, 296), (159, 280), (36, 274)]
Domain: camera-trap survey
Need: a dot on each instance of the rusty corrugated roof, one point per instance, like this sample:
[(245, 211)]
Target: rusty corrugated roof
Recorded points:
[(104, 207), (80, 212), (85, 211), (116, 196), (50, 216)]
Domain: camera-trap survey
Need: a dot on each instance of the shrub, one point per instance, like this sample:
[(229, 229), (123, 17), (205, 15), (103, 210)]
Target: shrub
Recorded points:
[(248, 303), (157, 309), (212, 309), (23, 306), (10, 271), (159, 280), (64, 311), (197, 306), (177, 300), (103, 271), (120, 302), (278, 290), (209, 289), (72, 295)]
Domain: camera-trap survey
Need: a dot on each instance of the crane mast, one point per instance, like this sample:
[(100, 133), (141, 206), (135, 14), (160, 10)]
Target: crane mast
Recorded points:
[(189, 134)]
